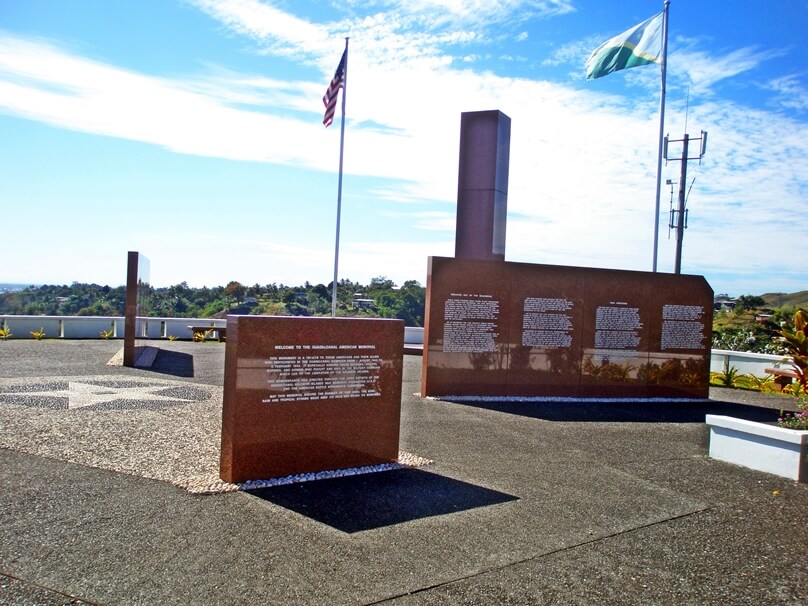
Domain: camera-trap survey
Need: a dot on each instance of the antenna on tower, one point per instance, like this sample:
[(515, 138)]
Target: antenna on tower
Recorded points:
[(687, 106), (678, 218)]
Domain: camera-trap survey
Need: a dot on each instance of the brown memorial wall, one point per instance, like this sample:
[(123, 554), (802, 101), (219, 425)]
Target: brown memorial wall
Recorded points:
[(304, 395), (516, 329)]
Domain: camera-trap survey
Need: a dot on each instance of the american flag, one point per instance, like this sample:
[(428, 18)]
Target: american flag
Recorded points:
[(330, 97)]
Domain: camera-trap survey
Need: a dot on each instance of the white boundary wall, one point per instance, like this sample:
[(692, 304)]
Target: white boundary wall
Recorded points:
[(746, 363), (91, 327)]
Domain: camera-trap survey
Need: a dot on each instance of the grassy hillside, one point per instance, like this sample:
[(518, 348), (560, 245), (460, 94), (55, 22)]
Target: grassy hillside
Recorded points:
[(795, 299)]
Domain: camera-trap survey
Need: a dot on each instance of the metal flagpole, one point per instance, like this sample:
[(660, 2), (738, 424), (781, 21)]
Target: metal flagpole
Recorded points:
[(664, 66), (339, 187)]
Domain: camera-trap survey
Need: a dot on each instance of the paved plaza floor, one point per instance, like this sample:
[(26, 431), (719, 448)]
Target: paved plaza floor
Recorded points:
[(523, 503)]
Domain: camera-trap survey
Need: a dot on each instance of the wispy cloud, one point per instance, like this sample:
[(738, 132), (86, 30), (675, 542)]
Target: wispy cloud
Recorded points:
[(42, 82), (390, 30), (439, 13), (703, 70), (573, 53), (264, 22), (790, 92)]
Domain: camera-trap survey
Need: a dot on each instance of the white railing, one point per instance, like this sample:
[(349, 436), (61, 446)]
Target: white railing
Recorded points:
[(92, 327)]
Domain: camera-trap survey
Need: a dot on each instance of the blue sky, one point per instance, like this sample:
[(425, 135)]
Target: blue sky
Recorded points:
[(190, 130)]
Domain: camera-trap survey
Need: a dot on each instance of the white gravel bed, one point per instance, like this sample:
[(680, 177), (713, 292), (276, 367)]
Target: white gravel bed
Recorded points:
[(159, 429)]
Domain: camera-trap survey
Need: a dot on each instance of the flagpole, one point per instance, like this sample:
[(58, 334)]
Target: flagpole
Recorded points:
[(664, 66), (339, 187)]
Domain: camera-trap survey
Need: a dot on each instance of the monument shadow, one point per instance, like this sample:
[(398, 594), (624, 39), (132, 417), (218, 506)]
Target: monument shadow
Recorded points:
[(657, 411), (376, 500), (173, 363)]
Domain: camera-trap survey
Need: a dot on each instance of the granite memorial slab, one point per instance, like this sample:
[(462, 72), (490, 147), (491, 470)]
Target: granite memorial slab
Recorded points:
[(545, 355), (516, 329), (303, 395), (467, 327), (680, 341)]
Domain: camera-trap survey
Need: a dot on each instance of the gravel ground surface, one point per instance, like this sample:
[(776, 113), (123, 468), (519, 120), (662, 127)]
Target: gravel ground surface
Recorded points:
[(159, 429), (525, 503), (154, 423)]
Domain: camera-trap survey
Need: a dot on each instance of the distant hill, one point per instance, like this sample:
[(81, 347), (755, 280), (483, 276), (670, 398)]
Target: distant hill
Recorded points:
[(794, 299)]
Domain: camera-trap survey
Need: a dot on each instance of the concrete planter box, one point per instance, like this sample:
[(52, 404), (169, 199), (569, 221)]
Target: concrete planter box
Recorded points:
[(759, 446)]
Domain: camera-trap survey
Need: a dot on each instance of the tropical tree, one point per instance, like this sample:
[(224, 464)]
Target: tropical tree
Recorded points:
[(235, 290)]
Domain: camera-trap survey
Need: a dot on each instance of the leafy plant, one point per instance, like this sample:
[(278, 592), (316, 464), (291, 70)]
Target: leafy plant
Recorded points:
[(106, 334), (38, 334), (765, 383), (796, 342), (5, 333), (729, 377), (199, 336), (795, 389), (172, 337)]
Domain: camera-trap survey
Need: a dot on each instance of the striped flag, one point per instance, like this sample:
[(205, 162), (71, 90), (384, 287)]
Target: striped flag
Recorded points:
[(640, 45), (330, 97)]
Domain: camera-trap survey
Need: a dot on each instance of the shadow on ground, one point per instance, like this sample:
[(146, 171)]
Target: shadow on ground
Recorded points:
[(173, 363), (365, 502), (629, 412)]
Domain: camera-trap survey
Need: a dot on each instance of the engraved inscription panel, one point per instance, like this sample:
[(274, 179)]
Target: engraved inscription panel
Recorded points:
[(322, 377), (683, 327), (470, 323), (547, 323), (617, 326), (309, 394)]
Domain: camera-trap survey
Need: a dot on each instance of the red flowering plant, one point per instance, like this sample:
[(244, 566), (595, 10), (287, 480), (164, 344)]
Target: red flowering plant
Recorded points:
[(796, 342)]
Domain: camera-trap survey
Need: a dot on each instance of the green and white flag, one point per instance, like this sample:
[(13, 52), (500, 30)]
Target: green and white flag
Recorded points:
[(640, 45)]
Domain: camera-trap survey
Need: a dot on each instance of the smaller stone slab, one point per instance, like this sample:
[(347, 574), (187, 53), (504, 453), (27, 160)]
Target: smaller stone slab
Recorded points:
[(137, 288), (303, 395)]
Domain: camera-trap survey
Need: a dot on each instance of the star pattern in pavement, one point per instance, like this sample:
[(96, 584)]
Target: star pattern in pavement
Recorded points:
[(80, 394)]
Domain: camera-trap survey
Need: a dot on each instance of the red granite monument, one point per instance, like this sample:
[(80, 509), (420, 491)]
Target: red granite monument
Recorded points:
[(494, 328), (482, 185), (516, 329), (137, 285), (309, 394)]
